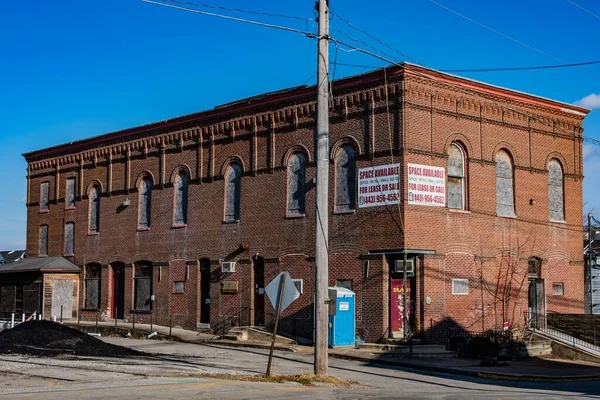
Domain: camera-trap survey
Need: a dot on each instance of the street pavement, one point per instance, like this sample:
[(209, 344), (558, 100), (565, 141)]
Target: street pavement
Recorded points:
[(175, 372)]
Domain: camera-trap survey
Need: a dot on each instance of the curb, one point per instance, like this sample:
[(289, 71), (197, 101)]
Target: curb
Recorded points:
[(477, 374), (240, 345)]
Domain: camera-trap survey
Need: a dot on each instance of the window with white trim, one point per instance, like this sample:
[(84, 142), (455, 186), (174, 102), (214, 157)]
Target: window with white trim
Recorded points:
[(456, 177), (460, 287), (558, 289)]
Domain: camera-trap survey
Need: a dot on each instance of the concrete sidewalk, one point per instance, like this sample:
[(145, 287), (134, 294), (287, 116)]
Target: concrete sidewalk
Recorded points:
[(531, 369)]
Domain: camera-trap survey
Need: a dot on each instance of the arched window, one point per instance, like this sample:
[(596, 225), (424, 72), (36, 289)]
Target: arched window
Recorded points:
[(233, 181), (505, 191), (181, 198), (556, 201), (296, 184), (94, 226), (345, 178), (145, 203), (457, 184)]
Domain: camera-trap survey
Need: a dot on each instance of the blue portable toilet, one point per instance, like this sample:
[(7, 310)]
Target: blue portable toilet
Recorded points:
[(342, 317)]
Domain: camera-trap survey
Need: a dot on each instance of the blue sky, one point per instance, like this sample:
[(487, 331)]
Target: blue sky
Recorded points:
[(72, 69)]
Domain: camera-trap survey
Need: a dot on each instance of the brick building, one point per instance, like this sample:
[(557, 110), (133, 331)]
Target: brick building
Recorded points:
[(481, 186)]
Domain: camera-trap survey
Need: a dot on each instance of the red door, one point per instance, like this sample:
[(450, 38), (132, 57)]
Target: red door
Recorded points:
[(397, 304)]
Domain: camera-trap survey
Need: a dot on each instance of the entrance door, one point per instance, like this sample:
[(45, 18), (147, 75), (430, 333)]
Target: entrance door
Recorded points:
[(205, 291), (537, 302), (259, 291), (397, 305), (119, 291)]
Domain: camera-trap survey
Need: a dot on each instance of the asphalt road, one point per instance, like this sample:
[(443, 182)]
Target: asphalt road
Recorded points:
[(173, 373)]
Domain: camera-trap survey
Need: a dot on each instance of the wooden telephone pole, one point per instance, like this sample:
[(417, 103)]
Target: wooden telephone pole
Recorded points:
[(322, 207)]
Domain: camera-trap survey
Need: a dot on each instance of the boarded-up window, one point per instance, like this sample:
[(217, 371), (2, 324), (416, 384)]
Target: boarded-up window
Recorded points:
[(143, 286), (44, 195), (296, 184), (233, 182), (70, 195), (556, 201), (69, 238), (505, 196), (456, 177), (95, 209), (181, 198), (92, 286), (44, 240), (345, 178), (8, 298), (145, 203)]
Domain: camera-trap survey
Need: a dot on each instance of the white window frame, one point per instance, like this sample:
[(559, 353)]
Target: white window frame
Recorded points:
[(301, 284), (562, 287), (454, 293)]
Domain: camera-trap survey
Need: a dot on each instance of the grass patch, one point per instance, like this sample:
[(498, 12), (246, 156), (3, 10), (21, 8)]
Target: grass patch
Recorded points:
[(303, 379)]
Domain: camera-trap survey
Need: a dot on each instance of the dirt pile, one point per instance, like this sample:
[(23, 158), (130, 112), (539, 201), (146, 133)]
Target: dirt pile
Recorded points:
[(47, 338)]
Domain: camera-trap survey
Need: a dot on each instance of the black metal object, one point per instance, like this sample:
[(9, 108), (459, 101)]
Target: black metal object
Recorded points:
[(578, 329)]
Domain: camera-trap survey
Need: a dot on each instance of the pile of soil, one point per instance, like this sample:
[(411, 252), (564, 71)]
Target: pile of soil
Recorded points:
[(49, 338)]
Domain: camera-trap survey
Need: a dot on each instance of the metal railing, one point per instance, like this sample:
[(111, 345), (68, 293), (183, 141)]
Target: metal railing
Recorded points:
[(569, 328)]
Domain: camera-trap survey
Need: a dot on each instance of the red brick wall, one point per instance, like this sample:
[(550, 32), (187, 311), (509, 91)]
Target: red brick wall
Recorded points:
[(424, 118)]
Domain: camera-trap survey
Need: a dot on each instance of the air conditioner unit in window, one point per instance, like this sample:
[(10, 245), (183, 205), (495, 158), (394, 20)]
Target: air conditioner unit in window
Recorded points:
[(228, 267), (410, 267)]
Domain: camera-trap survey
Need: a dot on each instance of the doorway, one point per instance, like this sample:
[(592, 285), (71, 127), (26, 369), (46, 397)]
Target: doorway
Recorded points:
[(259, 291), (119, 291), (205, 291), (536, 302)]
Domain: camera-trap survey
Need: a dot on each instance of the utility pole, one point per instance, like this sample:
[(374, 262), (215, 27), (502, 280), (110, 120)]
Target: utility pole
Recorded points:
[(322, 216), (589, 263)]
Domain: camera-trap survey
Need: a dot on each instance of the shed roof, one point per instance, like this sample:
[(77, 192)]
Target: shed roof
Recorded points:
[(42, 264)]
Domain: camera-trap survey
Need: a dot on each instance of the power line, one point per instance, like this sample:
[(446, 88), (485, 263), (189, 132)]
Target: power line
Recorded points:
[(495, 69), (465, 90), (356, 28), (496, 31), (584, 9), (368, 45), (254, 12), (247, 21)]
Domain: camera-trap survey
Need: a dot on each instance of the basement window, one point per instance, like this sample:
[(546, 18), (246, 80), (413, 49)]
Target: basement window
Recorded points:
[(460, 287), (558, 289)]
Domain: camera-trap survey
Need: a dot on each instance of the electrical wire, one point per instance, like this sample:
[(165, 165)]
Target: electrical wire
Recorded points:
[(254, 12), (356, 28), (584, 9), (247, 21), (496, 69), (496, 31), (465, 90)]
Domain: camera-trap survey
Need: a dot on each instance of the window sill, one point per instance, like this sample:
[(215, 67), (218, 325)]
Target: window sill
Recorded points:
[(43, 256), (178, 293), (140, 312), (458, 211), (93, 233), (177, 226), (44, 211), (90, 309), (555, 221), (342, 212), (143, 229), (506, 216), (237, 221), (69, 208), (69, 255), (295, 216)]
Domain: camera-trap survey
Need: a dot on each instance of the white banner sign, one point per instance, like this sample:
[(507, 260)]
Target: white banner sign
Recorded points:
[(379, 186), (426, 185)]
